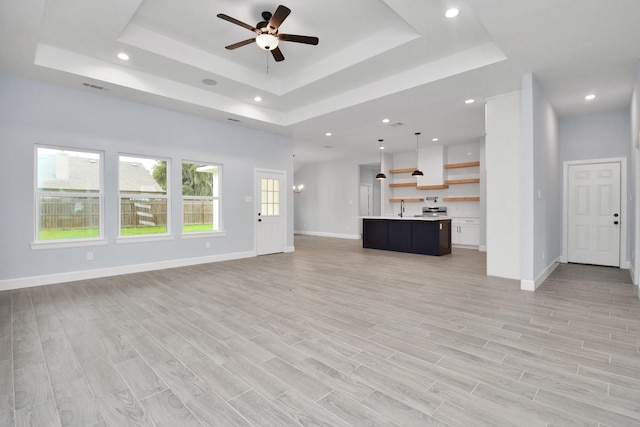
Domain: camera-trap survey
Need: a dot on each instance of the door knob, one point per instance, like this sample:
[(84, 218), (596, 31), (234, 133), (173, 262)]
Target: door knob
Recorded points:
[(615, 222)]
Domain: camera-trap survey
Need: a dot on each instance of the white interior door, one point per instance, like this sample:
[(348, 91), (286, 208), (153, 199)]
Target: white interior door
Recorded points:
[(366, 200), (594, 214), (270, 229)]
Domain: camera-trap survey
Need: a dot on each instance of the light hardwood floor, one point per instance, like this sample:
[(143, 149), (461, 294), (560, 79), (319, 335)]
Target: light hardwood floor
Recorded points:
[(330, 335)]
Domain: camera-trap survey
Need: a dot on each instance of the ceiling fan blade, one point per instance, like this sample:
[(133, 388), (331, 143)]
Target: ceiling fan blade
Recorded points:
[(235, 21), (277, 54), (276, 20), (240, 44), (298, 39)]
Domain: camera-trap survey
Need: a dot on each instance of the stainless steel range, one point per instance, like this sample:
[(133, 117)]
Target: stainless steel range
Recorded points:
[(433, 211)]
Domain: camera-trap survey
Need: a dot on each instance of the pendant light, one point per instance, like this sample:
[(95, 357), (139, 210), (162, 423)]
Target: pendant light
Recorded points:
[(381, 175), (417, 172)]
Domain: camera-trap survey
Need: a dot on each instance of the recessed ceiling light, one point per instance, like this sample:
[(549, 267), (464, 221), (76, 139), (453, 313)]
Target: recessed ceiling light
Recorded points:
[(590, 97), (257, 99), (123, 56), (452, 13), (385, 120), (209, 82), (435, 139), (328, 134), (469, 101)]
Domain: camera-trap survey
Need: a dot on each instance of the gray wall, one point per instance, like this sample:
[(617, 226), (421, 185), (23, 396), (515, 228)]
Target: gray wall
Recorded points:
[(600, 135), (542, 182), (36, 113)]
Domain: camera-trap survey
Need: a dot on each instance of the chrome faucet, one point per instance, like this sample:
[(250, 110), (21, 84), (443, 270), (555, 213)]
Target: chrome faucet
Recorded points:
[(401, 208)]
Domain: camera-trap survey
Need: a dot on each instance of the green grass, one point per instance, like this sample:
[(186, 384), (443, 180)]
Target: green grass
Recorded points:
[(87, 233), (197, 227)]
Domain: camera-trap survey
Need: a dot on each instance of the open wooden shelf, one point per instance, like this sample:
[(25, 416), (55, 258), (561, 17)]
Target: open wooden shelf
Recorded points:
[(407, 199), (461, 199), (461, 165), (462, 181), (405, 170), (432, 187), (403, 184)]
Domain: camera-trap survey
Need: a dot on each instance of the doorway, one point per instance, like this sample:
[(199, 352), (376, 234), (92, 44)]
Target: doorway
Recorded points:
[(594, 212), (365, 206), (271, 211)]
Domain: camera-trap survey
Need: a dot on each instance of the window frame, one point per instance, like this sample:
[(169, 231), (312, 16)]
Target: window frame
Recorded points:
[(38, 243), (128, 238), (220, 231)]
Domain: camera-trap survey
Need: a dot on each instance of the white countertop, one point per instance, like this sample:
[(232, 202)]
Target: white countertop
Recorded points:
[(407, 218)]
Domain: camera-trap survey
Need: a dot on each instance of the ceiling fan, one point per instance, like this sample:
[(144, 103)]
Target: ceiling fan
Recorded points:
[(267, 32)]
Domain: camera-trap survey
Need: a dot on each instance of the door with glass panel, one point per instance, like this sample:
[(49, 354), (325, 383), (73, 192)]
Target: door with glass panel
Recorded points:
[(270, 215)]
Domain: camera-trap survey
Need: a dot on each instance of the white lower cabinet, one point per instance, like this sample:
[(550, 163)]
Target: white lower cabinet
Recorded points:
[(465, 231)]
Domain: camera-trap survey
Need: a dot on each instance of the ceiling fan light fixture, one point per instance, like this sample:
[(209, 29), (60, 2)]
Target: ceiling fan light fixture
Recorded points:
[(267, 41)]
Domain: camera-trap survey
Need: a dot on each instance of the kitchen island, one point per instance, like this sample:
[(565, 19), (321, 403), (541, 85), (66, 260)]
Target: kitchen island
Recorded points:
[(427, 235)]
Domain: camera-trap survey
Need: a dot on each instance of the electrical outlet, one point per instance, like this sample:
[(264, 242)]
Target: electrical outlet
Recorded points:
[(89, 256)]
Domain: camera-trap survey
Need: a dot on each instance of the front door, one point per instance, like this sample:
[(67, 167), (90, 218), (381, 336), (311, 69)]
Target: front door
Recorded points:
[(594, 214), (270, 218)]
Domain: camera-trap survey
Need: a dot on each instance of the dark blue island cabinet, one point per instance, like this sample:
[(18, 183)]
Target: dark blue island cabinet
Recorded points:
[(427, 237)]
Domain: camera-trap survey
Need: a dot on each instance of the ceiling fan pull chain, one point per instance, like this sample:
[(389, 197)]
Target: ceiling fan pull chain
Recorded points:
[(267, 62)]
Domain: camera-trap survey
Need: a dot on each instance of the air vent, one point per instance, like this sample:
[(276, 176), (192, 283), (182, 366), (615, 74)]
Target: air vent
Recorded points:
[(233, 120), (395, 125), (92, 86)]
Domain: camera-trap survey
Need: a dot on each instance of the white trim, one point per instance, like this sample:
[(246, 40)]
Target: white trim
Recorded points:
[(288, 249), (532, 285), (49, 279), (202, 234), (58, 244), (482, 248), (144, 238), (622, 261), (632, 273), (335, 235)]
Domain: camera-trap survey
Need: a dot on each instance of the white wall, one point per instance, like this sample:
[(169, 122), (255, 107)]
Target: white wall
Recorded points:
[(601, 135), (542, 186), (634, 185), (37, 113), (504, 171), (328, 206)]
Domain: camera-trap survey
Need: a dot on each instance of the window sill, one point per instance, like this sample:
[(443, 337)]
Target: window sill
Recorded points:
[(68, 244), (144, 239), (203, 234)]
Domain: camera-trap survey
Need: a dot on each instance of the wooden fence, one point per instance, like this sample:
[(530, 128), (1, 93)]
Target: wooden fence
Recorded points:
[(60, 213)]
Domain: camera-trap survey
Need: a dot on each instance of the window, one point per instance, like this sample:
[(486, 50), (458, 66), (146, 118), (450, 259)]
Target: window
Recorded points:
[(200, 197), (270, 197), (68, 194), (143, 196)]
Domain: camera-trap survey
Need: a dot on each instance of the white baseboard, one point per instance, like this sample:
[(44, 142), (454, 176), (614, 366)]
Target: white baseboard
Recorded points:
[(49, 279), (323, 234), (288, 249), (482, 248), (532, 285), (632, 272)]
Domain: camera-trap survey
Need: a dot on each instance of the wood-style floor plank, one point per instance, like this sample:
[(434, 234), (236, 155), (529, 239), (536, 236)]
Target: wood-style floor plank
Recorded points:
[(331, 334)]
